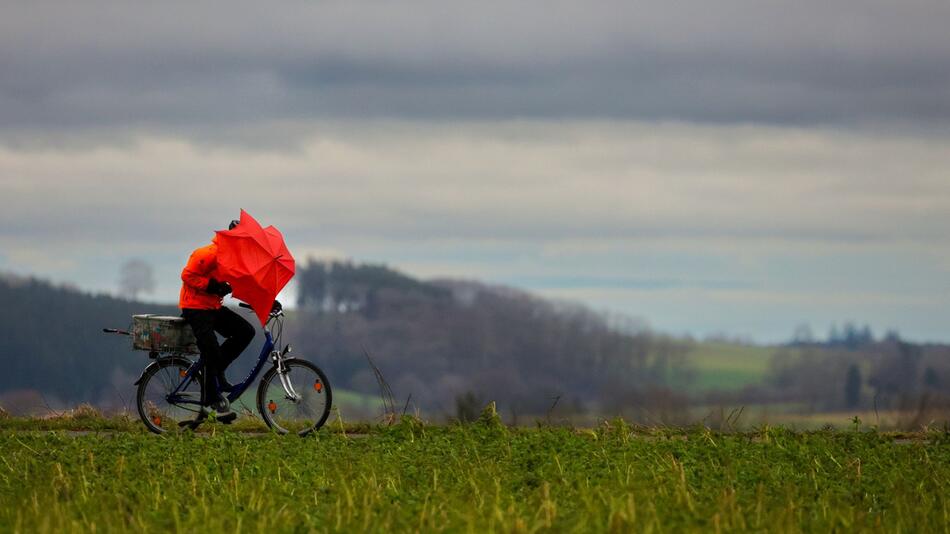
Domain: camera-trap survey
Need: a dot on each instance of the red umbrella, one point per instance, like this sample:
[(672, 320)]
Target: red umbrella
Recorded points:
[(256, 262)]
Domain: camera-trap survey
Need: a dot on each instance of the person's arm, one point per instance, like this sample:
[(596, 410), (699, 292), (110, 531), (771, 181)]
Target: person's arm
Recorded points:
[(197, 272)]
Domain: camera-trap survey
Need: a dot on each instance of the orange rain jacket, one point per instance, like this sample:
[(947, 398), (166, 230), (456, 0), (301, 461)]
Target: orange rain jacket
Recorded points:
[(201, 267)]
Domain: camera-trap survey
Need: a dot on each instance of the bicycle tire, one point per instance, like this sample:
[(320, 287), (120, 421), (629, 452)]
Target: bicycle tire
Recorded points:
[(314, 387), (168, 372)]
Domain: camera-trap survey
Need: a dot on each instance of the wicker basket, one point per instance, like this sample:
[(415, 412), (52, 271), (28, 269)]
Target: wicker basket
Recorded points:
[(161, 333)]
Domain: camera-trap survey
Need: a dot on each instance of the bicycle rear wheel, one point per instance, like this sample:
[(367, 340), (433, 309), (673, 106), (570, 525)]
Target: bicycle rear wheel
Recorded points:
[(302, 409), (158, 382)]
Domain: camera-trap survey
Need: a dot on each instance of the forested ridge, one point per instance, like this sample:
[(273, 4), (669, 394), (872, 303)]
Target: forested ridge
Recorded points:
[(446, 342), (51, 340)]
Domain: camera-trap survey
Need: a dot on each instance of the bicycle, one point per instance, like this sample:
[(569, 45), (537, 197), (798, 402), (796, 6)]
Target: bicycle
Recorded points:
[(294, 395)]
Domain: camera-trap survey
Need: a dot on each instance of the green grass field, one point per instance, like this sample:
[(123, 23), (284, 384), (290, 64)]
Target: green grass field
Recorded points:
[(728, 366), (474, 478)]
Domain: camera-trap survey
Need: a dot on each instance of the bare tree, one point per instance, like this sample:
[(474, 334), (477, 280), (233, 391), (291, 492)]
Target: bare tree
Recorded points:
[(803, 335), (136, 277)]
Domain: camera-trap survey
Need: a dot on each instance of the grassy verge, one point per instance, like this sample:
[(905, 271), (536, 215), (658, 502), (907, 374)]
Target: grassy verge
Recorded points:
[(131, 424)]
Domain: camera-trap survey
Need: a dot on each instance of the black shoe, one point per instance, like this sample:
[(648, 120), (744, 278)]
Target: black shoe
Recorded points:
[(227, 417), (199, 418), (223, 412)]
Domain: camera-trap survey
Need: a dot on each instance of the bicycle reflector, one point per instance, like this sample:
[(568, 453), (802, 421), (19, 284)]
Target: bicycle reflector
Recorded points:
[(272, 406)]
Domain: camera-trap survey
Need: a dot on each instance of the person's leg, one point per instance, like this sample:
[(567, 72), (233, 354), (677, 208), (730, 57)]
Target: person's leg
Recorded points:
[(238, 333), (202, 324)]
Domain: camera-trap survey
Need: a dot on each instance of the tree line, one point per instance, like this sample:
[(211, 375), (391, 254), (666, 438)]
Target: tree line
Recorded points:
[(53, 351), (443, 342)]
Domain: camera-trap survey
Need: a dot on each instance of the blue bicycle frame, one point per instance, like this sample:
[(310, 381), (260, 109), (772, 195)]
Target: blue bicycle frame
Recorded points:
[(175, 397)]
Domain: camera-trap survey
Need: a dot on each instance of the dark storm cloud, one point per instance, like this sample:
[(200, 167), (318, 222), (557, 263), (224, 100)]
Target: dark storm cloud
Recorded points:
[(196, 64)]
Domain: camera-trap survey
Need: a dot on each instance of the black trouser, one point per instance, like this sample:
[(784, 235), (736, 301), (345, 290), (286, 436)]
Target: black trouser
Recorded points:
[(238, 334)]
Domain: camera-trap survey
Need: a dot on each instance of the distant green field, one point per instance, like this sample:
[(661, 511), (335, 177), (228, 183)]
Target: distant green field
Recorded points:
[(727, 366), (357, 405), (348, 402)]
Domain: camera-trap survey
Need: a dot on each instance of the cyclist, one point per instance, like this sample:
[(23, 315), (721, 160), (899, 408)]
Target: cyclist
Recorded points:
[(200, 301)]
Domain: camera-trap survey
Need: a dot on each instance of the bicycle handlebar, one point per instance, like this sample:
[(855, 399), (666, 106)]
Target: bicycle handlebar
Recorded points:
[(274, 312)]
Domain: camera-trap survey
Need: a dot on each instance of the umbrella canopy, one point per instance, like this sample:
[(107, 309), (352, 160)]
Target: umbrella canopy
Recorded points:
[(256, 262)]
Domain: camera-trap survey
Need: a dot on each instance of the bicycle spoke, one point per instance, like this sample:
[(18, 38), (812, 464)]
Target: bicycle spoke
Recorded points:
[(154, 407), (303, 413)]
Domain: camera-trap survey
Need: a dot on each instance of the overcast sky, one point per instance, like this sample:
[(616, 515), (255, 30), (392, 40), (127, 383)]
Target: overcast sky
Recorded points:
[(738, 167)]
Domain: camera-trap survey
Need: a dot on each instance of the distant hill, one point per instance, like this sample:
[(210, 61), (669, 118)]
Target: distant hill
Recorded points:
[(445, 341), (51, 341)]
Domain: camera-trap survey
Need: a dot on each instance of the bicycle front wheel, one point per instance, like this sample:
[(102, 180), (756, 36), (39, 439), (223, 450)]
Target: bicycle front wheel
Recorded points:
[(297, 400)]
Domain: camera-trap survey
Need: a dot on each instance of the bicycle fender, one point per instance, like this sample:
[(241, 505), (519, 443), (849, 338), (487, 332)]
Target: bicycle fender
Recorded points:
[(156, 363)]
